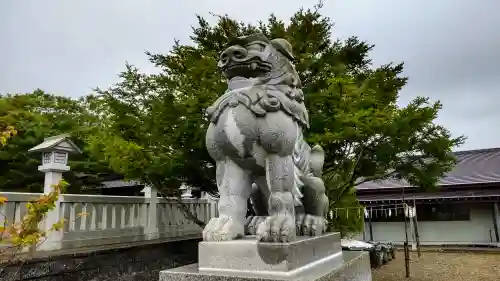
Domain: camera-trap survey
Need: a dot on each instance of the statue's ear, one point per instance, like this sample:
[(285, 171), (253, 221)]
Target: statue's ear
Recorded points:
[(284, 47)]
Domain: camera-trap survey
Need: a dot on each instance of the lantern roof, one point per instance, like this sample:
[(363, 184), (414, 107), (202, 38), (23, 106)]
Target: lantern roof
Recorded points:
[(57, 143)]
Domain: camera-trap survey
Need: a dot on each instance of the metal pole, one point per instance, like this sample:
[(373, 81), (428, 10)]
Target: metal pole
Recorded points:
[(407, 254), (495, 221), (407, 259), (364, 224), (370, 224), (404, 212), (417, 236)]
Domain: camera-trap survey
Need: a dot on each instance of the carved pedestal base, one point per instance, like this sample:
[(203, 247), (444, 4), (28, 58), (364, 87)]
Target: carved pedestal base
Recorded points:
[(308, 258)]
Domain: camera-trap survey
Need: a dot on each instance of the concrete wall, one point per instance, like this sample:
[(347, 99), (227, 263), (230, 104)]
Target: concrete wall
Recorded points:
[(140, 263), (476, 231)]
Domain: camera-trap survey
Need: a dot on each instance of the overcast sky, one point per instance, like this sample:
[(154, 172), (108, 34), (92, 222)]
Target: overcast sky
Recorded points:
[(451, 48)]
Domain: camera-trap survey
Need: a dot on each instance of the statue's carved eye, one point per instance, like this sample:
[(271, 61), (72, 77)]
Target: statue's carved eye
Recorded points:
[(255, 47), (239, 55)]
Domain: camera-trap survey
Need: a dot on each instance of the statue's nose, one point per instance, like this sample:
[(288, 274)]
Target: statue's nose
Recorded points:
[(233, 53)]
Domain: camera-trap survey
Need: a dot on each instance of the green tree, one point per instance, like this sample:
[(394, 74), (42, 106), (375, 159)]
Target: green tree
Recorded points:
[(157, 122), (35, 116)]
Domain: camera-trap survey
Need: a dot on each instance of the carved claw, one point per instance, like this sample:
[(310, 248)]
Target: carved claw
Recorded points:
[(279, 228), (222, 229), (310, 225), (252, 224), (299, 221)]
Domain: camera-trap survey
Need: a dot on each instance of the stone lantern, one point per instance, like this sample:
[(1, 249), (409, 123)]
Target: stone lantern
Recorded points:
[(187, 191), (55, 152)]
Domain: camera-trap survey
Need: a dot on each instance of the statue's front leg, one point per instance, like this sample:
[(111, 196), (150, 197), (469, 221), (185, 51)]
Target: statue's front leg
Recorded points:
[(278, 133), (234, 189), (280, 225)]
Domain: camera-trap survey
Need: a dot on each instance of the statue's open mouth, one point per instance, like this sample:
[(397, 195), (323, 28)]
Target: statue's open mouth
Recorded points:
[(249, 69)]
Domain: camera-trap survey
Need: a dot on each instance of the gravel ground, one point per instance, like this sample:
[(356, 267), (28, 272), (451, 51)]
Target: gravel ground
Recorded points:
[(432, 266)]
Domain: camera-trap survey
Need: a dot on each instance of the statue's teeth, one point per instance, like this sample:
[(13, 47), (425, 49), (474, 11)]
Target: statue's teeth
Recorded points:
[(254, 65)]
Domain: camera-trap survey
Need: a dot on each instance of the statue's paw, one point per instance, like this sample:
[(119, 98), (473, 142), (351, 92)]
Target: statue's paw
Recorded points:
[(279, 228), (299, 222), (222, 229), (253, 223), (310, 225)]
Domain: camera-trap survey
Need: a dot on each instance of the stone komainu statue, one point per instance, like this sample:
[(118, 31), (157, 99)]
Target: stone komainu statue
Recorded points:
[(255, 137)]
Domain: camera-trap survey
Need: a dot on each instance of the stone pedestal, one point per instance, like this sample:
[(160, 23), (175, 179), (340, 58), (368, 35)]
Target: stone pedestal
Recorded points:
[(308, 258)]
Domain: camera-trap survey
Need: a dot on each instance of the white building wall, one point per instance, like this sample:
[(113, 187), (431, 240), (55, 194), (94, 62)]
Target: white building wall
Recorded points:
[(478, 230)]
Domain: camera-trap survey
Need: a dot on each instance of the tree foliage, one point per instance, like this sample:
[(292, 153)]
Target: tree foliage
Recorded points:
[(36, 116), (157, 123)]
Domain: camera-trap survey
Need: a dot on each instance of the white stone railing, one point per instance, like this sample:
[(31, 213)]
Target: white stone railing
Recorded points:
[(97, 220), (15, 208)]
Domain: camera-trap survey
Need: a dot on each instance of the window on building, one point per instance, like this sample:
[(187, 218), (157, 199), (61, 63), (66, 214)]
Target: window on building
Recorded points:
[(443, 212)]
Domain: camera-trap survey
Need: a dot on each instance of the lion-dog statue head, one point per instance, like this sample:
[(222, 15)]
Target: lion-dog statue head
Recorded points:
[(267, 63)]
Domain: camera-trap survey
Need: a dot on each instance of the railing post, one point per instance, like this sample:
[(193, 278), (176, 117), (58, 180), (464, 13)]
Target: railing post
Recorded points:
[(150, 217), (214, 208), (54, 238)]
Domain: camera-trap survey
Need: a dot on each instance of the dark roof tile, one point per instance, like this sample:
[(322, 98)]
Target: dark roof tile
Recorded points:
[(431, 195), (481, 166)]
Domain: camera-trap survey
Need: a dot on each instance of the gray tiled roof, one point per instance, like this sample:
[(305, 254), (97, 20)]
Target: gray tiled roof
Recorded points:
[(495, 192), (481, 166)]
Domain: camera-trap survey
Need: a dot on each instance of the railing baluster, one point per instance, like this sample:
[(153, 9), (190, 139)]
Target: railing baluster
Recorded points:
[(94, 220)]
